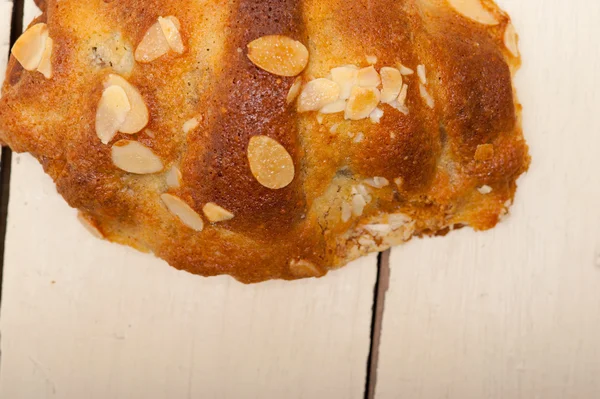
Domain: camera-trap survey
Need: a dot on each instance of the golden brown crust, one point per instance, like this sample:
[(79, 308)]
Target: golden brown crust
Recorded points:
[(446, 166)]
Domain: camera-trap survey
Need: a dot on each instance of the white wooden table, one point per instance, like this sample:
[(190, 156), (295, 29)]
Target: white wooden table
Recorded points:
[(506, 314)]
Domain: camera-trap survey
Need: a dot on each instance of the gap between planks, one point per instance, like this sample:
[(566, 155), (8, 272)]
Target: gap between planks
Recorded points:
[(382, 284), (6, 158)]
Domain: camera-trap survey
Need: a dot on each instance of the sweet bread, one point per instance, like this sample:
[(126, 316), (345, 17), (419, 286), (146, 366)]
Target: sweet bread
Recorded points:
[(270, 139)]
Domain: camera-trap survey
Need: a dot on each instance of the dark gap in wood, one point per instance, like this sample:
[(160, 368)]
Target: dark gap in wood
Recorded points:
[(4, 196), (15, 31), (17, 21), (381, 286)]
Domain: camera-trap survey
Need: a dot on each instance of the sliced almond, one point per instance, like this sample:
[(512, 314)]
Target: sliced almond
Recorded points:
[(134, 157), (346, 77), (270, 163), (215, 213), (318, 93), (362, 101), (154, 44), (138, 117), (371, 59), (183, 211), (403, 94), (346, 212), (29, 47), (484, 190), (294, 90), (304, 268), (334, 107), (45, 67), (173, 177), (473, 9), (422, 74), (368, 77), (170, 28), (511, 39), (362, 190), (111, 113), (358, 204), (377, 182), (190, 125), (404, 70), (426, 96), (279, 55), (400, 107), (376, 115), (391, 79)]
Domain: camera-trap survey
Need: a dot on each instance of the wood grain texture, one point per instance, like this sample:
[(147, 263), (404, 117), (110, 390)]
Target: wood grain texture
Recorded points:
[(515, 312), (83, 318)]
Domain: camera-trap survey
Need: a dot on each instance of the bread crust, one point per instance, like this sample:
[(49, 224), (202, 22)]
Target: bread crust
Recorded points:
[(436, 160)]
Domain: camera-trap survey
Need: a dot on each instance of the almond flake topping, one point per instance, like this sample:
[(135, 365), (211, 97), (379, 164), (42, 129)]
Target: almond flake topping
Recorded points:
[(484, 190), (334, 107), (190, 125), (346, 77), (346, 212), (404, 70), (173, 177), (170, 28), (358, 204), (391, 79), (111, 113), (215, 213), (474, 9), (376, 115), (426, 96), (422, 74), (400, 107), (158, 40), (134, 157), (377, 182), (138, 117), (361, 103), (403, 94), (270, 163), (294, 90), (279, 55), (183, 211), (45, 67), (30, 46), (318, 93), (371, 59), (368, 77)]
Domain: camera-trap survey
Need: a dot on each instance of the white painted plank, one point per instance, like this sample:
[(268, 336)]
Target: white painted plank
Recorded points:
[(515, 312), (30, 11), (82, 318), (86, 318), (5, 18)]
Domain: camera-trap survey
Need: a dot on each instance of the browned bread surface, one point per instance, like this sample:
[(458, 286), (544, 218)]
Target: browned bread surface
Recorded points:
[(418, 174)]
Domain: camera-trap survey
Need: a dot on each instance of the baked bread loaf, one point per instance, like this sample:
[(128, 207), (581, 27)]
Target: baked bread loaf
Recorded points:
[(270, 139)]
